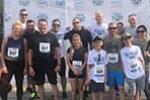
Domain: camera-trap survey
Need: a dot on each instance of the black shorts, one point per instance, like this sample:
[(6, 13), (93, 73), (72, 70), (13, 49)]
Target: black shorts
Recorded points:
[(44, 69), (62, 72), (72, 75), (96, 87)]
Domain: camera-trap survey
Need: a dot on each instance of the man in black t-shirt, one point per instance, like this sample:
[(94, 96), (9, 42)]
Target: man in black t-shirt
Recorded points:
[(43, 50)]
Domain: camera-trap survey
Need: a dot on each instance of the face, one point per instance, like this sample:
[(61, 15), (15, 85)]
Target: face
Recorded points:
[(43, 26), (132, 20), (24, 16), (76, 42), (76, 24), (120, 28), (141, 32), (31, 26), (112, 28), (127, 40), (17, 30), (99, 17), (98, 44), (56, 26)]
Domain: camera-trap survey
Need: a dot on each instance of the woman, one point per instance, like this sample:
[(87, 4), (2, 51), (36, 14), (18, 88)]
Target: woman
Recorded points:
[(142, 41), (76, 60), (14, 58)]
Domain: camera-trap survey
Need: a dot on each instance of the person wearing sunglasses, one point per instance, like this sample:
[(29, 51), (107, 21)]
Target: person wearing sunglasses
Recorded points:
[(112, 45), (23, 14), (56, 30), (142, 40), (85, 35), (133, 65)]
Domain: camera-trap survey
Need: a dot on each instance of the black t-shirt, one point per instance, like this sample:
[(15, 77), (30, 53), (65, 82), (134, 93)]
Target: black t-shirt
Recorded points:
[(43, 46), (84, 34)]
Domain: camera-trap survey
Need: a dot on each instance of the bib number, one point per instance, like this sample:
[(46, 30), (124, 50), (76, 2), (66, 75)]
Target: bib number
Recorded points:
[(44, 47), (77, 64), (113, 57), (99, 70), (134, 66), (13, 52)]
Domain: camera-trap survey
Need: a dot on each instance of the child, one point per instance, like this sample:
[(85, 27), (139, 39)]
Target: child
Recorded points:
[(96, 69)]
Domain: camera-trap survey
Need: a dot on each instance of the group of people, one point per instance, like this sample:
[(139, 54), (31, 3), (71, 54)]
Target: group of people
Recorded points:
[(96, 55)]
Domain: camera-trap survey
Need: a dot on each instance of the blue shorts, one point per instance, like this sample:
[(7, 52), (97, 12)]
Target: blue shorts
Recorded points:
[(115, 78)]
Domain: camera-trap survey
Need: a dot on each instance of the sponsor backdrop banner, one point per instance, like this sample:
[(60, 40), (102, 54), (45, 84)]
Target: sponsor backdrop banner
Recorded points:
[(66, 10)]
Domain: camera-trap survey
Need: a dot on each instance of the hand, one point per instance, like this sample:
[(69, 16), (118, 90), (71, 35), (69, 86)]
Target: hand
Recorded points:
[(146, 53), (31, 71), (4, 70), (25, 70), (57, 69), (88, 81)]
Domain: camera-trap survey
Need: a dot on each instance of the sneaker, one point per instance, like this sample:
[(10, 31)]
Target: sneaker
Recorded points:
[(34, 96), (64, 95)]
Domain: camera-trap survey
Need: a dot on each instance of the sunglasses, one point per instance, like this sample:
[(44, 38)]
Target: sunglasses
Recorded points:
[(111, 28), (76, 22), (140, 31), (24, 14), (58, 25)]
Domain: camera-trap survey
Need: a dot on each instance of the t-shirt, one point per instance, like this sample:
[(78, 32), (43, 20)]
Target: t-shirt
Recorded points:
[(60, 37), (132, 65), (85, 35), (99, 60), (143, 45), (131, 30), (113, 45), (98, 30), (43, 46)]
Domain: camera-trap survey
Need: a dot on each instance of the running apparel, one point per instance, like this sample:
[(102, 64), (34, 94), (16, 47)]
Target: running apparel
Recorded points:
[(15, 49), (85, 35), (99, 60), (130, 57), (98, 30), (131, 30), (43, 46), (78, 59), (112, 47)]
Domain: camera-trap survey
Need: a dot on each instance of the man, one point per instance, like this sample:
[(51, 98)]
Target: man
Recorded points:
[(84, 34), (132, 19), (99, 28), (43, 50), (56, 30), (120, 28), (23, 17), (115, 73)]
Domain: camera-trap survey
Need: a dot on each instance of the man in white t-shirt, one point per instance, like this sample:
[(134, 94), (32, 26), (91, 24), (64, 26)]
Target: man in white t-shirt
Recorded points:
[(133, 64), (98, 28), (132, 19), (23, 14)]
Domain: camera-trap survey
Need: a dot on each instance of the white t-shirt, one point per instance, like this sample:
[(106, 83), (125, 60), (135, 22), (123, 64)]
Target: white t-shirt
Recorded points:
[(60, 36), (98, 30), (99, 60), (132, 65)]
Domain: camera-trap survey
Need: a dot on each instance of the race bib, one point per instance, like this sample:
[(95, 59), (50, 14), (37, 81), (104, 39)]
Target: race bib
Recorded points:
[(113, 57), (134, 66), (44, 47), (99, 70), (77, 64), (13, 52)]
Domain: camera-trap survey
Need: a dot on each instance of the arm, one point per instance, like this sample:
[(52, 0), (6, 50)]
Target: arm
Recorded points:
[(58, 58), (25, 54), (31, 71)]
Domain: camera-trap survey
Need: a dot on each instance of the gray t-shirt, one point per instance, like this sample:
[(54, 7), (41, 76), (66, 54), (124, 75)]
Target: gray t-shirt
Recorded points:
[(131, 30), (113, 45), (143, 45)]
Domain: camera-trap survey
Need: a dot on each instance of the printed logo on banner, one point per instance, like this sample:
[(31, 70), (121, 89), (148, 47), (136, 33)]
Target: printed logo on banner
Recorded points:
[(7, 17), (116, 3), (78, 3), (24, 2), (98, 3), (117, 16), (136, 2), (42, 2), (81, 16), (60, 3), (42, 16)]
